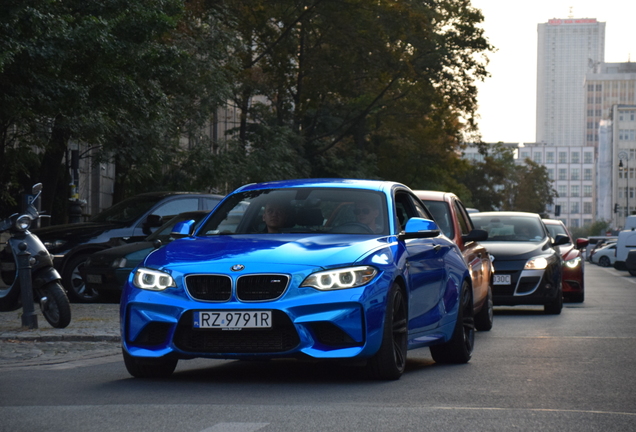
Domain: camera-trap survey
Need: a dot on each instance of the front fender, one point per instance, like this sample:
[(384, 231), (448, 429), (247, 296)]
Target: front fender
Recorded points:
[(43, 276)]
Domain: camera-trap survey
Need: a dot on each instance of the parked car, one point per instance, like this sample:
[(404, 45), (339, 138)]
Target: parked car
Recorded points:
[(598, 246), (573, 261), (605, 256), (131, 220), (453, 219), (106, 271), (624, 244), (321, 269), (597, 242), (528, 267)]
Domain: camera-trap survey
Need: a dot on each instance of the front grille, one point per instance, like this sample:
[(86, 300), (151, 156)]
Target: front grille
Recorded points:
[(280, 338), (261, 287), (528, 284), (209, 287)]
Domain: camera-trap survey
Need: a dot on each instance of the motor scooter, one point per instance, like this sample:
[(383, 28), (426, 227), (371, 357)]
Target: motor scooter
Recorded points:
[(46, 281)]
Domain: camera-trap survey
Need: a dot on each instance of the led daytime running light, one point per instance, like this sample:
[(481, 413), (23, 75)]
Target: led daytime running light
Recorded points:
[(340, 278), (152, 280)]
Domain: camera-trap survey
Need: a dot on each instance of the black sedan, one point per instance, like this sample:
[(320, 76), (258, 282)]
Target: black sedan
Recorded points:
[(105, 272), (528, 267)]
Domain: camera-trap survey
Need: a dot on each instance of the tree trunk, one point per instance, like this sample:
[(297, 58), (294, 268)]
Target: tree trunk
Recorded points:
[(55, 195)]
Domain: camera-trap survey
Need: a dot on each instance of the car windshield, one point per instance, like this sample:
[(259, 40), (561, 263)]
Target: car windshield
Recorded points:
[(555, 230), (128, 210), (300, 210), (510, 228), (441, 213)]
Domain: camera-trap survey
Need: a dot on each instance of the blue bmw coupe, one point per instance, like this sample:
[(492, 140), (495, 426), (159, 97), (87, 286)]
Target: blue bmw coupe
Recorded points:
[(318, 269)]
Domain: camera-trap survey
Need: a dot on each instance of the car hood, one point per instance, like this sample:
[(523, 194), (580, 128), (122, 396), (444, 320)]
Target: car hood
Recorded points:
[(297, 250), (122, 251), (518, 250)]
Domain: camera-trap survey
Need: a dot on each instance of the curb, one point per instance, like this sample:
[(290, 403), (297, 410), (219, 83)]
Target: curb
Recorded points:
[(62, 338)]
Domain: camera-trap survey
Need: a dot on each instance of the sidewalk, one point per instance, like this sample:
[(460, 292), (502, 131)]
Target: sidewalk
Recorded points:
[(89, 323)]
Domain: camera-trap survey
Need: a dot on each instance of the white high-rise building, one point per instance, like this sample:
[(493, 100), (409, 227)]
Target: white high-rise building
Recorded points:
[(567, 50)]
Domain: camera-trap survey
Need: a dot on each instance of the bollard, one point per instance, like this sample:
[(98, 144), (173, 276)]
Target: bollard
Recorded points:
[(29, 317)]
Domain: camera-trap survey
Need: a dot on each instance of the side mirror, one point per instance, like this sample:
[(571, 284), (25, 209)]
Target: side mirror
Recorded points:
[(419, 228), (582, 243), (152, 221), (475, 235), (182, 229), (561, 239)]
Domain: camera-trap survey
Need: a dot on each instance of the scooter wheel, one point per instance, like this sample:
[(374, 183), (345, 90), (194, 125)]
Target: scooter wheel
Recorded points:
[(55, 305)]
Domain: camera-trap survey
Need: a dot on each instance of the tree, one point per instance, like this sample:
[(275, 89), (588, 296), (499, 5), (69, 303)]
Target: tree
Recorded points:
[(129, 77), (359, 82), (533, 191)]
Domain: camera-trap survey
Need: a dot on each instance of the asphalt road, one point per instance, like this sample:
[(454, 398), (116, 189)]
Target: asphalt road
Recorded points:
[(572, 372)]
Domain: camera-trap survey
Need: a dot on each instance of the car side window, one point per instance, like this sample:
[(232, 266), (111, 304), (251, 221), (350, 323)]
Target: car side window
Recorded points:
[(174, 207), (462, 218), (210, 203), (407, 207)]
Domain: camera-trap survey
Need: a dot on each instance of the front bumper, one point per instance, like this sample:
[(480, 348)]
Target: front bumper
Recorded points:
[(322, 325), (528, 287)]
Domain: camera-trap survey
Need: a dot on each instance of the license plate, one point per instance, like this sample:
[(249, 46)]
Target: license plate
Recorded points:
[(97, 279), (501, 280), (233, 320)]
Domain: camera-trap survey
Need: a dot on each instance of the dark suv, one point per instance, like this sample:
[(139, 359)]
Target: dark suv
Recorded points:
[(130, 220)]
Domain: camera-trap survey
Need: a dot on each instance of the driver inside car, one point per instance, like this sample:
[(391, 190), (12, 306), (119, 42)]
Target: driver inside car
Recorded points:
[(367, 213)]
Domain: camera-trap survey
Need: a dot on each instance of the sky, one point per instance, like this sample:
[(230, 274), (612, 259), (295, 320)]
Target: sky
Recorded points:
[(507, 100)]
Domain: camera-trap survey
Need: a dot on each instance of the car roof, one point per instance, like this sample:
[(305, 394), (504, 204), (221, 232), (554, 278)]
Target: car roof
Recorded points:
[(163, 194), (377, 185), (433, 195), (553, 222), (506, 213)]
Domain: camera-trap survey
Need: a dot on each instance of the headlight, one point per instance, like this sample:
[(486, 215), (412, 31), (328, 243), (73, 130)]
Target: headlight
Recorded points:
[(23, 222), (119, 263), (152, 280), (340, 278), (538, 263), (573, 263), (54, 244)]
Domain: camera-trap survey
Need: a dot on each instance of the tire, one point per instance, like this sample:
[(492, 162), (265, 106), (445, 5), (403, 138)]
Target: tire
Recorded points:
[(390, 360), (54, 304), (577, 298), (459, 349), (484, 318), (74, 283), (149, 367), (556, 306), (604, 262)]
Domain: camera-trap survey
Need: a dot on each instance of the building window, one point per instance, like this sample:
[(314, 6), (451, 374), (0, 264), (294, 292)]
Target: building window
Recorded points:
[(563, 157), (575, 157), (563, 174), (587, 222), (587, 174), (574, 223), (551, 173), (574, 208), (562, 190), (587, 208), (537, 157), (574, 189), (575, 174), (525, 155), (587, 191), (549, 157), (587, 157)]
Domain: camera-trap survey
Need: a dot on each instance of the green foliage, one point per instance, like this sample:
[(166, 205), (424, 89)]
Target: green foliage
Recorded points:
[(596, 228)]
